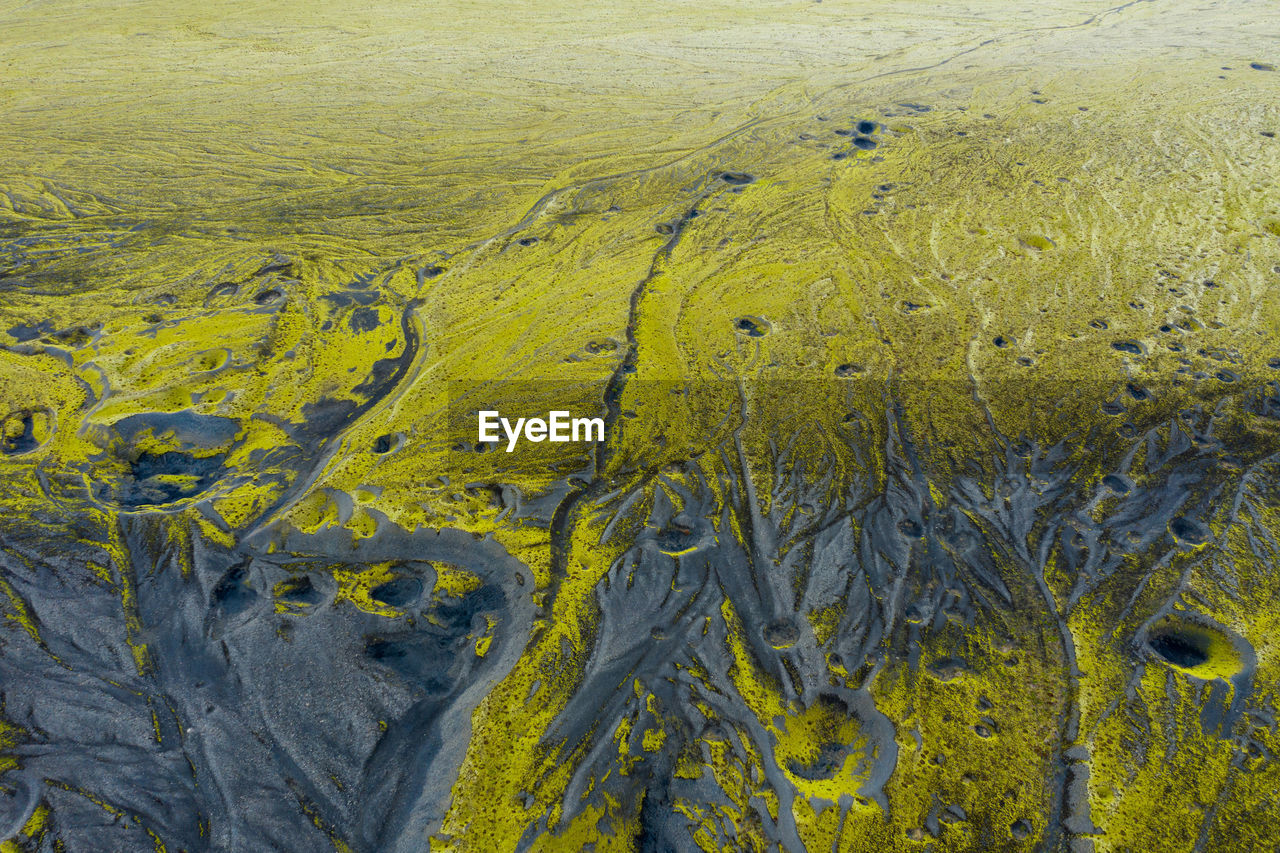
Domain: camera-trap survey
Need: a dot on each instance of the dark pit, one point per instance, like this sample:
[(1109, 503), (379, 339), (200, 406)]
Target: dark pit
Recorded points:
[(1180, 648)]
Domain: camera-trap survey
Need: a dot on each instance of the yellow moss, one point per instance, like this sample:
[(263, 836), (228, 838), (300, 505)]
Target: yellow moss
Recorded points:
[(356, 584), (453, 581), (32, 830)]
